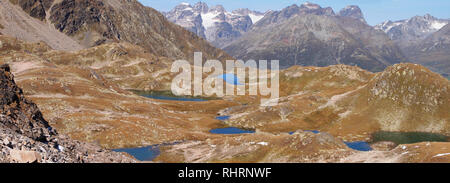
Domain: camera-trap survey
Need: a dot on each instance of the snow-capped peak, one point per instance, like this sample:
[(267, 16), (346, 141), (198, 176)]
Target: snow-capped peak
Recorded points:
[(209, 19), (311, 6), (214, 22), (352, 11), (255, 18), (413, 28)]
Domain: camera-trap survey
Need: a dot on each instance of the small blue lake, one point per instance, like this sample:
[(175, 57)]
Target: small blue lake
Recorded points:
[(230, 130), (230, 78), (223, 118), (359, 146), (148, 153)]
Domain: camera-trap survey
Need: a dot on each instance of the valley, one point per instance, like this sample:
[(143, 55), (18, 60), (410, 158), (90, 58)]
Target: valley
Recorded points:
[(99, 73)]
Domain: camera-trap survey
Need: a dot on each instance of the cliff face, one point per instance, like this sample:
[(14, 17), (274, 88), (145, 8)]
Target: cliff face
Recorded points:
[(26, 137), (35, 8), (18, 113)]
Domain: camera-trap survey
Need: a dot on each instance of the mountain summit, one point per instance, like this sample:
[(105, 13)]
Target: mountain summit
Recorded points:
[(423, 39), (352, 11), (412, 30), (215, 24), (310, 35), (87, 23)]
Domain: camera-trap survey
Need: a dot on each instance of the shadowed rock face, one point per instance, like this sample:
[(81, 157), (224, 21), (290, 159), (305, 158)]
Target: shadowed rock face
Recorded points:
[(26, 137), (70, 16), (35, 8), (18, 113)]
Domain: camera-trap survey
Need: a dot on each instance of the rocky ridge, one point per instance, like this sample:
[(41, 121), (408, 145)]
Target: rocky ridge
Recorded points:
[(87, 23), (413, 30), (215, 24), (26, 137), (316, 38)]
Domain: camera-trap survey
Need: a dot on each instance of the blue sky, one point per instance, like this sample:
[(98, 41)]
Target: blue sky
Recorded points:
[(375, 11)]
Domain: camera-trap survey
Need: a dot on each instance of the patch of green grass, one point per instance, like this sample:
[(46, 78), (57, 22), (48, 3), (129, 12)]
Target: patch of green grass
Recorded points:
[(169, 94)]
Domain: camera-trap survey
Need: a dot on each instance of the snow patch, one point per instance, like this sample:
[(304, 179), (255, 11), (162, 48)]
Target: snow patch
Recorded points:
[(255, 18), (311, 5), (438, 25), (443, 154), (208, 19), (263, 143)]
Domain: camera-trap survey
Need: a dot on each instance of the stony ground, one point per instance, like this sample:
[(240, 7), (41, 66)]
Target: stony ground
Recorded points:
[(26, 137)]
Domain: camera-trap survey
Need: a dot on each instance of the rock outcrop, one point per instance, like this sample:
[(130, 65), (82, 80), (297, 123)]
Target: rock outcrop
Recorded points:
[(26, 137)]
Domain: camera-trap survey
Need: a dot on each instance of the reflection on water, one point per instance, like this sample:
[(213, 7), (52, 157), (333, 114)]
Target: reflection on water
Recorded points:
[(408, 137)]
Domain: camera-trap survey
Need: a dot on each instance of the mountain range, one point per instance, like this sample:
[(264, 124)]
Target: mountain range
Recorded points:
[(310, 35), (423, 39), (73, 25), (214, 24), (348, 38)]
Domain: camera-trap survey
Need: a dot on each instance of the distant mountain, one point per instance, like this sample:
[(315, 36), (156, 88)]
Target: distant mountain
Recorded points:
[(214, 24), (352, 11), (290, 11), (412, 30), (433, 51), (87, 23), (310, 35), (423, 39)]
